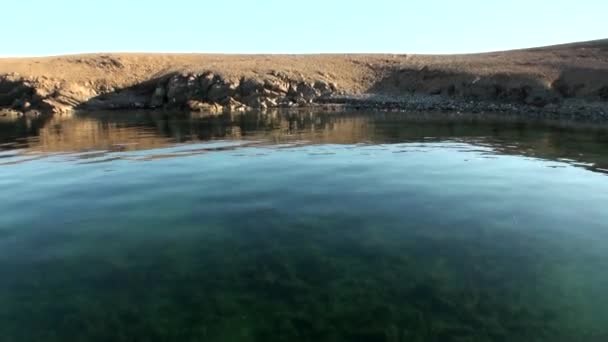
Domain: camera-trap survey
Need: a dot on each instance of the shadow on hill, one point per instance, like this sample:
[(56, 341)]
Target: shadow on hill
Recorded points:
[(519, 88), (12, 92), (138, 96), (583, 82), (589, 84)]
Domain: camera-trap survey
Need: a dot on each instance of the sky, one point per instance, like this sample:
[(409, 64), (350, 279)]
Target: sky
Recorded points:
[(53, 27)]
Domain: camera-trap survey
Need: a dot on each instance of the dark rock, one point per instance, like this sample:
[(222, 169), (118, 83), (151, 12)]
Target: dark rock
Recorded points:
[(15, 91), (184, 87), (305, 91), (293, 89), (252, 100), (206, 81), (159, 97), (251, 86), (218, 92), (323, 88), (177, 89)]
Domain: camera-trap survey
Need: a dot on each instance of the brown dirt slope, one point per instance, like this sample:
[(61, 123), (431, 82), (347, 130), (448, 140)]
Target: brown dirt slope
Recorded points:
[(533, 76)]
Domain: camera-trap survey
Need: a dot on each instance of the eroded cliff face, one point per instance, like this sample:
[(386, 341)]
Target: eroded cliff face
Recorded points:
[(45, 95), (191, 91), (215, 92)]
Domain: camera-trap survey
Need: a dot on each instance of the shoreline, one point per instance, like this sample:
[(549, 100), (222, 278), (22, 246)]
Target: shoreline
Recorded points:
[(571, 110), (431, 110), (566, 81)]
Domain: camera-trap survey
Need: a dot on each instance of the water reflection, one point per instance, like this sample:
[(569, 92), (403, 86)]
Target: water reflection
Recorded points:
[(119, 131)]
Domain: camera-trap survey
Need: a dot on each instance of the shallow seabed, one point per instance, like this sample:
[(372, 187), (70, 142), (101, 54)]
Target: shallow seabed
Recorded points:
[(302, 227)]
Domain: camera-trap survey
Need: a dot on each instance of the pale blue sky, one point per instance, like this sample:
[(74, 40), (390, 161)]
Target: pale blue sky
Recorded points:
[(50, 27)]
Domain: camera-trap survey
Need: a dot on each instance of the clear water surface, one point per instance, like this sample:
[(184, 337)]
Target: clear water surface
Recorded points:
[(302, 227)]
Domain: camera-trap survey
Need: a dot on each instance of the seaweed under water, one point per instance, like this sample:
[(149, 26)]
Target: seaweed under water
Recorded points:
[(316, 227)]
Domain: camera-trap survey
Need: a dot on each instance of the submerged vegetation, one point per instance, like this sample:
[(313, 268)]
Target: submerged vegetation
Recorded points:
[(324, 227), (279, 280)]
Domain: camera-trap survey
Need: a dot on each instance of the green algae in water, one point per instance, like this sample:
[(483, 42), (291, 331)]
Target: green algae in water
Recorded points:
[(379, 228)]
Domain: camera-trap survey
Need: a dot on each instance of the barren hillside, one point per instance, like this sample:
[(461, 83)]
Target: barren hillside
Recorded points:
[(535, 77)]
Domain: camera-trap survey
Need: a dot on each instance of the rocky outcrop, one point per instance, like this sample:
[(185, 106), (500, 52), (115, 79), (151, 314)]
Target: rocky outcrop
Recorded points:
[(42, 94), (16, 93), (196, 92), (209, 91), (215, 92), (533, 78)]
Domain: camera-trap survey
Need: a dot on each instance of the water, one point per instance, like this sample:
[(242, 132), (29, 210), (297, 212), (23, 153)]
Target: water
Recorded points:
[(302, 227)]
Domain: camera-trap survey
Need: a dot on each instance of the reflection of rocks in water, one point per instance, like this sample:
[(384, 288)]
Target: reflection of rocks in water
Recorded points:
[(146, 130), (16, 133), (81, 134), (280, 127), (154, 130)]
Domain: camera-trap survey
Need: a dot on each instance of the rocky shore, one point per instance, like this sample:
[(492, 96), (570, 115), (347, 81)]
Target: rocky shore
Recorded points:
[(561, 81)]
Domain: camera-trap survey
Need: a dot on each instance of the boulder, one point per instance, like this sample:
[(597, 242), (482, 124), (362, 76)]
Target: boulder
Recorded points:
[(184, 87), (177, 90), (306, 91), (73, 94), (293, 89), (222, 89), (218, 92), (324, 88), (233, 85), (206, 81), (253, 101), (251, 86)]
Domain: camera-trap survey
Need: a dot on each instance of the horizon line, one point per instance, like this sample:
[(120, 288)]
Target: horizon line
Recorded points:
[(584, 42)]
